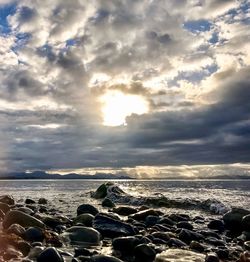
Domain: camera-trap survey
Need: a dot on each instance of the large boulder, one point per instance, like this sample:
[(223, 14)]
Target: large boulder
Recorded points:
[(18, 217), (246, 223), (83, 235), (179, 255), (101, 191), (110, 227), (233, 218)]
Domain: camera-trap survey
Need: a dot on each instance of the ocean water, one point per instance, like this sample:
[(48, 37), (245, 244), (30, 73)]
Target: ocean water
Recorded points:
[(66, 195)]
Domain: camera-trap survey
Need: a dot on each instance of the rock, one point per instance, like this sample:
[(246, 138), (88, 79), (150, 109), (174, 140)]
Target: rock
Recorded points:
[(26, 210), (194, 245), (87, 208), (244, 257), (18, 217), (161, 235), (54, 221), (16, 229), (188, 235), (101, 191), (50, 254), (85, 219), (125, 245), (166, 221), (141, 215), (184, 224), (4, 207), (216, 224), (35, 252), (24, 247), (1, 215), (151, 220), (42, 201), (107, 203), (29, 201), (124, 210), (212, 257), (33, 234), (175, 242), (246, 223), (233, 218), (110, 227), (83, 252), (6, 199), (247, 245), (12, 254), (85, 235), (223, 254), (102, 258), (144, 253), (179, 255)]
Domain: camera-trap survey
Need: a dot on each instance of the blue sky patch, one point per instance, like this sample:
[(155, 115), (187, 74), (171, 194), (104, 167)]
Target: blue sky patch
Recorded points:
[(195, 26), (5, 11)]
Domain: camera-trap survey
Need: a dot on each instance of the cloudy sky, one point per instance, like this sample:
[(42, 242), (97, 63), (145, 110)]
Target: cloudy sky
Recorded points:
[(146, 87)]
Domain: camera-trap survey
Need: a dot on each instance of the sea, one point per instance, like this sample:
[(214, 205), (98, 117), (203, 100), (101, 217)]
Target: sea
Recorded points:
[(67, 195)]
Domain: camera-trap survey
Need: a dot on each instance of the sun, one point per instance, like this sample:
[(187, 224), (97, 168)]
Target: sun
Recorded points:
[(117, 106)]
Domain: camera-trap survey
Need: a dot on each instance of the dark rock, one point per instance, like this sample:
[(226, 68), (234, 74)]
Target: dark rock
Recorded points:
[(1, 215), (85, 219), (110, 227), (102, 258), (85, 235), (102, 191), (18, 217), (184, 224), (212, 257), (216, 224), (214, 241), (166, 221), (42, 201), (50, 254), (33, 234), (125, 245), (233, 218), (107, 203), (162, 235), (6, 199), (83, 252), (26, 210), (29, 201), (23, 246), (187, 236), (87, 208), (54, 221), (151, 220), (246, 223), (141, 215), (175, 242), (124, 210), (178, 217), (144, 253), (12, 254), (194, 245), (222, 253)]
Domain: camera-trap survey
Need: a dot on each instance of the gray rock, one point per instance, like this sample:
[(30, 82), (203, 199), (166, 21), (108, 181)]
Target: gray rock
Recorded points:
[(212, 257), (42, 201), (110, 227), (87, 208), (216, 224), (85, 235), (188, 235), (85, 219), (50, 254), (179, 255), (101, 191), (18, 217), (175, 242), (184, 224)]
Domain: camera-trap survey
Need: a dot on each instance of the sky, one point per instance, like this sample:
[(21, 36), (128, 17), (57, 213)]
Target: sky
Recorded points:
[(143, 87)]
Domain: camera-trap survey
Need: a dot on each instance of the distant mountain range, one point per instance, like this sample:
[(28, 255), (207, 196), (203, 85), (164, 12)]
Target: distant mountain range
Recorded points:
[(44, 175)]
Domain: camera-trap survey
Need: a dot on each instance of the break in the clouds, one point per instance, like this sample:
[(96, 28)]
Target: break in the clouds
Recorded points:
[(125, 85)]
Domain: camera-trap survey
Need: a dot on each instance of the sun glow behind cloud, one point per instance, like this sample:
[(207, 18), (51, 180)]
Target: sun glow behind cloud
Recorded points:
[(117, 106)]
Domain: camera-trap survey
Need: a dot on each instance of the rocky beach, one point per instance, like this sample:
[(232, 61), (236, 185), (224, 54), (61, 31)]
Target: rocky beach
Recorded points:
[(113, 225)]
